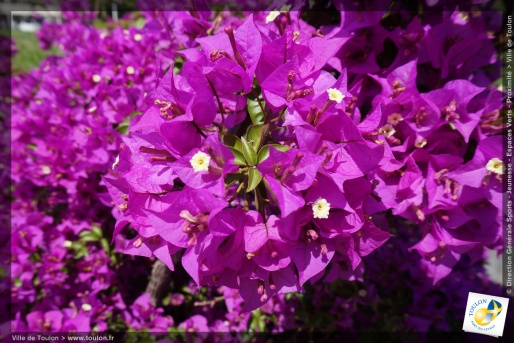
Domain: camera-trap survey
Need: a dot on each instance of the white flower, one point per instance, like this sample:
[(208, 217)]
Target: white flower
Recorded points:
[(200, 162), (335, 95), (420, 144), (272, 16), (387, 130), (138, 37), (97, 78), (394, 118), (130, 70), (495, 165), (46, 170), (321, 208), (86, 307)]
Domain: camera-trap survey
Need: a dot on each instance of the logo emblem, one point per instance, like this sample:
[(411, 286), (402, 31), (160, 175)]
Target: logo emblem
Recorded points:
[(485, 314)]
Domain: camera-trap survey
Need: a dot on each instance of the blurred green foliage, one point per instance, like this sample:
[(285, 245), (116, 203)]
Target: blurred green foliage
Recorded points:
[(29, 53)]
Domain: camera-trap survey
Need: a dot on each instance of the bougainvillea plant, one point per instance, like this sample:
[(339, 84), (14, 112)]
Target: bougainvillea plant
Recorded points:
[(256, 162), (67, 119), (355, 161)]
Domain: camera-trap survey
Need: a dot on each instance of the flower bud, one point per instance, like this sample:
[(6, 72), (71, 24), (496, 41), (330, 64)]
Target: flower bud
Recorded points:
[(138, 242), (230, 32), (185, 214), (312, 234)]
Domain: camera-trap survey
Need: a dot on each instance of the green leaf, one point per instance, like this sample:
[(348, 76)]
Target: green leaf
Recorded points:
[(249, 153), (122, 128), (252, 323), (97, 230), (114, 258), (104, 243), (35, 257), (232, 177), (263, 154), (261, 324), (256, 134), (76, 245), (253, 136), (238, 157), (282, 148), (166, 300), (254, 178), (140, 22), (255, 112), (91, 238), (232, 141), (135, 113), (88, 236), (264, 151), (83, 252), (84, 233)]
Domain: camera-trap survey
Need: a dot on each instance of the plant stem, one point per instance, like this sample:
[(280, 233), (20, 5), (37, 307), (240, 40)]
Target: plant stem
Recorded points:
[(211, 303), (159, 280), (220, 105)]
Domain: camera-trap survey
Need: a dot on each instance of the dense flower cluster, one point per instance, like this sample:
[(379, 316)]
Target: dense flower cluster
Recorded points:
[(67, 118), (394, 296), (275, 147), (357, 162)]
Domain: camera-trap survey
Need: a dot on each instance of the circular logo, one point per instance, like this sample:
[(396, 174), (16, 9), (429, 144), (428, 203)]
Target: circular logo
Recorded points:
[(485, 316)]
